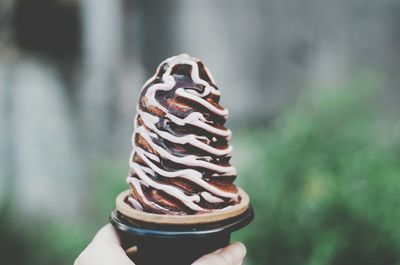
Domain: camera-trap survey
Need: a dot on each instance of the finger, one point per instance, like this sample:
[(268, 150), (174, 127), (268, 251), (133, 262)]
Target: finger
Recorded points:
[(131, 251), (233, 253), (240, 262), (104, 249), (107, 233), (230, 255)]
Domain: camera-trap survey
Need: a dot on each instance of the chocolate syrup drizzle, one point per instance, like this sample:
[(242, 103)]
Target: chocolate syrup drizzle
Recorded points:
[(180, 158)]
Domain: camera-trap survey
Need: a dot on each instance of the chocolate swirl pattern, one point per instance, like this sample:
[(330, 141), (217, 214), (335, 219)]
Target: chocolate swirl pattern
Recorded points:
[(180, 158)]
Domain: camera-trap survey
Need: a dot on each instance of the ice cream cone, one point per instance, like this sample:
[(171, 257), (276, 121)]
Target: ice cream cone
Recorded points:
[(203, 218), (182, 201)]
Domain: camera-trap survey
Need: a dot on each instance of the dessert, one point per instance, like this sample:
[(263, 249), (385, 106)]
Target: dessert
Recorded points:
[(180, 158), (182, 194)]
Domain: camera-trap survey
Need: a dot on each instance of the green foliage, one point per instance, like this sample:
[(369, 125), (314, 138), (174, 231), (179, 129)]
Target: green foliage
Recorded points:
[(325, 183), (39, 240), (106, 181), (31, 241)]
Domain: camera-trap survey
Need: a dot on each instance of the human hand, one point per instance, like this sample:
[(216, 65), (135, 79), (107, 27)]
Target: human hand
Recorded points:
[(230, 255), (105, 249)]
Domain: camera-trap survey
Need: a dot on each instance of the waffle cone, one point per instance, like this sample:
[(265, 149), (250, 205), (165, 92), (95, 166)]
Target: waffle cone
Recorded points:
[(204, 218)]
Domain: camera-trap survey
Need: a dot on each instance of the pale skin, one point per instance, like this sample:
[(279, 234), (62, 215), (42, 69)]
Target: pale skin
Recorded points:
[(105, 249)]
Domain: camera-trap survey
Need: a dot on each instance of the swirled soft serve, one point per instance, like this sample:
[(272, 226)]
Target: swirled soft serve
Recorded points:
[(181, 152)]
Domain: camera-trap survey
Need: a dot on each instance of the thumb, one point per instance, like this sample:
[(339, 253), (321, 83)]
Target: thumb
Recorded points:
[(230, 255)]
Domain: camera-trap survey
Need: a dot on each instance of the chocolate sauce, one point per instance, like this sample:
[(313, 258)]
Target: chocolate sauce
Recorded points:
[(181, 88)]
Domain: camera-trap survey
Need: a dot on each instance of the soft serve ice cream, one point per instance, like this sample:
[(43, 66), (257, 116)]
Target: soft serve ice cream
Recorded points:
[(181, 152)]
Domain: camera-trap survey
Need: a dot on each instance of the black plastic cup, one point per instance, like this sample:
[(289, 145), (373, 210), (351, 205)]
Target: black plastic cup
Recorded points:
[(175, 244)]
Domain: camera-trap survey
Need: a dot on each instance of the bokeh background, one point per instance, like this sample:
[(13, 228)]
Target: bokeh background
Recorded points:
[(312, 89)]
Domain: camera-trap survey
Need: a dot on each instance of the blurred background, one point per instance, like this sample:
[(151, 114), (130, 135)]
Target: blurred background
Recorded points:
[(312, 89)]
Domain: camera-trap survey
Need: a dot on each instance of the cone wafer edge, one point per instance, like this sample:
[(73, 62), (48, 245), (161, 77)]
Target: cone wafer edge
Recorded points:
[(204, 218)]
